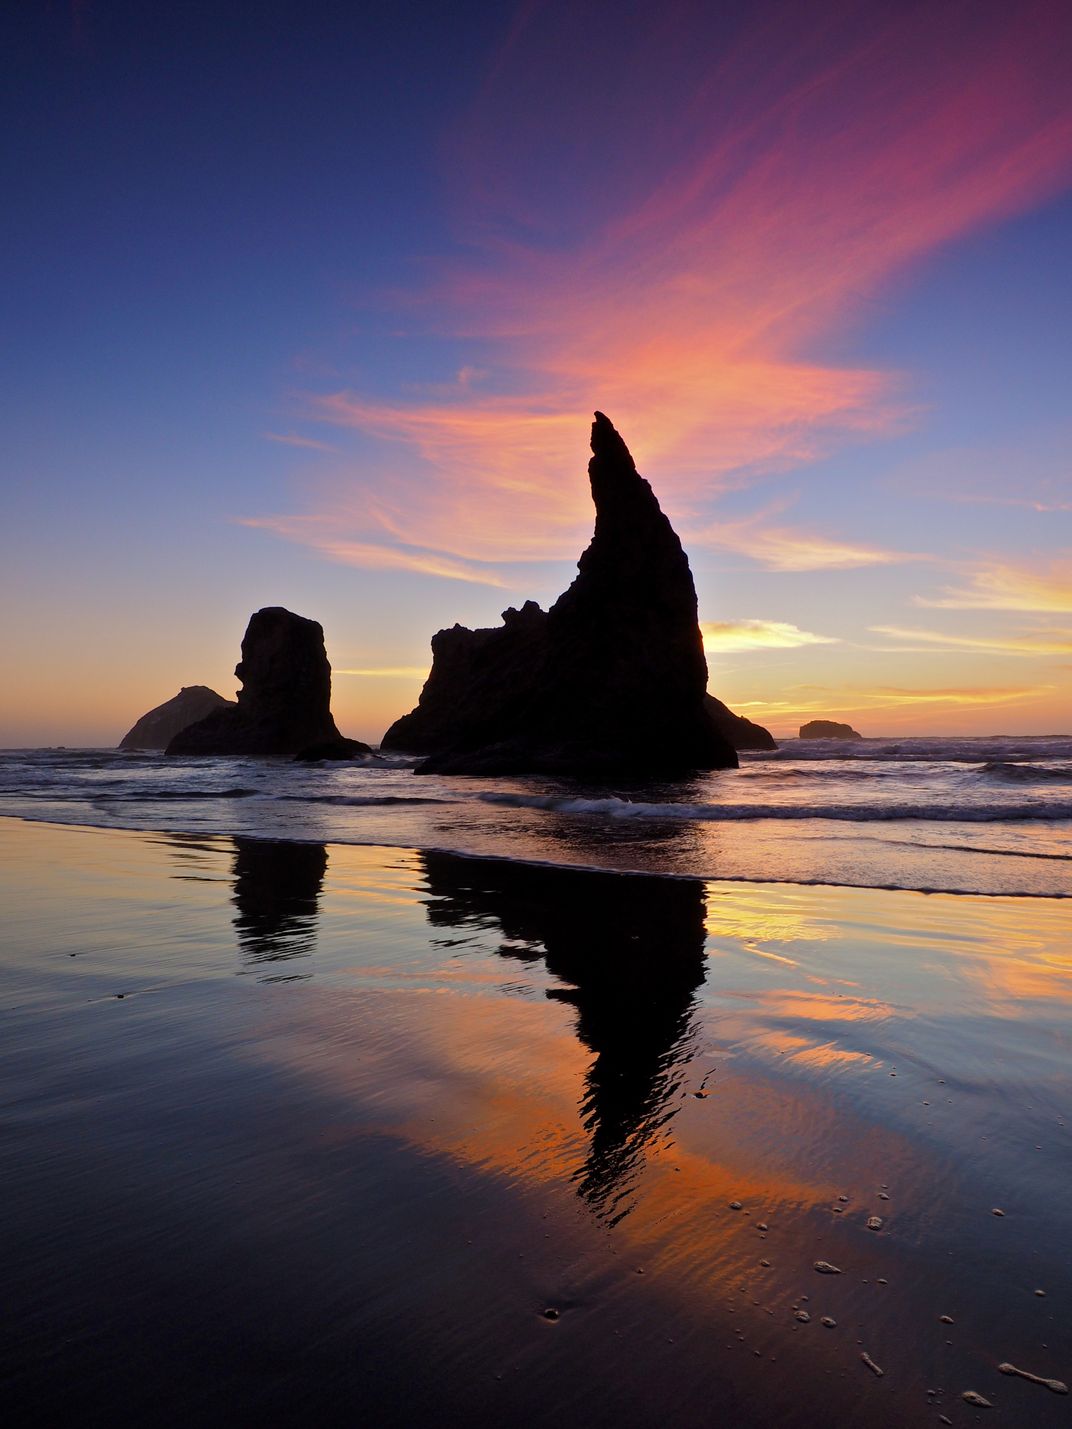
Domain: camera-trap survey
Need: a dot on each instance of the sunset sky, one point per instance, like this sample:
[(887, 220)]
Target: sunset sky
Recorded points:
[(311, 304)]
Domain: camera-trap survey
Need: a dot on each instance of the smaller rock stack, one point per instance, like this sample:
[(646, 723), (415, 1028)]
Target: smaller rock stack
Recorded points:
[(284, 706)]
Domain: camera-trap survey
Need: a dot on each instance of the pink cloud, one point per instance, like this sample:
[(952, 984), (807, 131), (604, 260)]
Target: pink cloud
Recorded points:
[(666, 219)]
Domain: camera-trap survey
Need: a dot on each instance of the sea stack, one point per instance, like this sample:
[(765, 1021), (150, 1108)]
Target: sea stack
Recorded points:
[(608, 683), (742, 733), (827, 729), (159, 727), (284, 706)]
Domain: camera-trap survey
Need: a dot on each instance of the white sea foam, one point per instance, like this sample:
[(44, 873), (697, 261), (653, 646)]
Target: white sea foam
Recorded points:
[(992, 816)]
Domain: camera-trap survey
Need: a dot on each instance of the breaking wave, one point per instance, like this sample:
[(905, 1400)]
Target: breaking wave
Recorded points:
[(1016, 773), (616, 808)]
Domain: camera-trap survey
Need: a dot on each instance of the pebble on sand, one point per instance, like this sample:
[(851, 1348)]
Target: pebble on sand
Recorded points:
[(1057, 1385), (735, 1205), (803, 1317), (1040, 1292), (550, 1313), (829, 1322), (997, 1212), (825, 1268), (765, 1264), (874, 1223), (870, 1363), (970, 1397), (945, 1319)]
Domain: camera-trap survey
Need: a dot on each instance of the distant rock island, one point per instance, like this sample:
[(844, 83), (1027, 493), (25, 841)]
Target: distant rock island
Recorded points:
[(610, 682), (284, 706), (828, 729), (159, 727)]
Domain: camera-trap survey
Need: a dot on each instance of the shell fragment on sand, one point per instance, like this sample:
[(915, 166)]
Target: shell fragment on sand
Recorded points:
[(1057, 1385)]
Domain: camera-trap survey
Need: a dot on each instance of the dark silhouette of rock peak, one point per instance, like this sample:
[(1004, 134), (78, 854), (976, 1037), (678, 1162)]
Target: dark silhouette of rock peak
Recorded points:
[(159, 727), (284, 706), (610, 682), (742, 733)]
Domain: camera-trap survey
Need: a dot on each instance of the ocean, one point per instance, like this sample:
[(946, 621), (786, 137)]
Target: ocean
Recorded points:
[(956, 815)]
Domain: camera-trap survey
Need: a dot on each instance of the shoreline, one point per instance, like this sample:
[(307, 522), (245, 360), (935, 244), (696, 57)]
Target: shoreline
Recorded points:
[(508, 858)]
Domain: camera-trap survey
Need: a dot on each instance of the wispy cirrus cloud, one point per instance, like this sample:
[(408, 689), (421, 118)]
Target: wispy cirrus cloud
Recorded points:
[(782, 547), (293, 439), (387, 672), (316, 532), (734, 635), (819, 699), (1033, 474), (1043, 589), (763, 176), (1032, 643)]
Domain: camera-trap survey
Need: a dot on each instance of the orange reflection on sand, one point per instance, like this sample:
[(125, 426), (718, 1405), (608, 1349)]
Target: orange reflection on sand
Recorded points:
[(474, 1064), (1011, 979), (752, 915), (806, 1052), (798, 1005), (492, 1083)]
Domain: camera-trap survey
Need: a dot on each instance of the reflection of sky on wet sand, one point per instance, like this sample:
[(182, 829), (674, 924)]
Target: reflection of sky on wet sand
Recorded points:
[(845, 1040), (625, 1058)]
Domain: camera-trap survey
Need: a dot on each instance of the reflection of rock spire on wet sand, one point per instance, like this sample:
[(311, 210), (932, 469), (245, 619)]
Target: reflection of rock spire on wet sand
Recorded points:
[(633, 950), (276, 893)]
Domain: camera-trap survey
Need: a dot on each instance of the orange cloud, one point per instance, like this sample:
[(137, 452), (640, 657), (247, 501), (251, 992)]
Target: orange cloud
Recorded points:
[(311, 531), (1007, 587), (682, 271), (389, 672), (852, 699), (790, 548), (721, 635), (1057, 642)]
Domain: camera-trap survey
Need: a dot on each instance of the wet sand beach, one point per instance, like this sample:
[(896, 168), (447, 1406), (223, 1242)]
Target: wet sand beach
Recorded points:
[(324, 1134)]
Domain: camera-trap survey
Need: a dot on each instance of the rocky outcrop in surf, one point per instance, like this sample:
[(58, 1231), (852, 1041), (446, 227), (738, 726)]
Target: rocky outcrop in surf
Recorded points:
[(742, 733), (610, 682), (159, 727), (284, 706), (828, 729)]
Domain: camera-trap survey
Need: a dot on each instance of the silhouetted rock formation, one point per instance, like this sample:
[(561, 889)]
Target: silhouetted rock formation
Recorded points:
[(632, 949), (742, 733), (159, 727), (276, 897), (828, 729), (284, 707), (609, 682)]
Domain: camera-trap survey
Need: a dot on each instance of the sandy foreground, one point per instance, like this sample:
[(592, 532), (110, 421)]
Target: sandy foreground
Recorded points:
[(354, 1135)]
